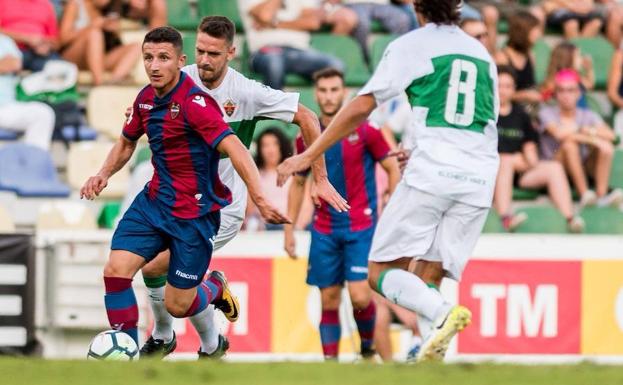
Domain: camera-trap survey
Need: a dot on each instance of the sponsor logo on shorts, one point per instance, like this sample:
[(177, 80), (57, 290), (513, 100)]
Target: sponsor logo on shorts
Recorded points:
[(359, 269), (187, 276)]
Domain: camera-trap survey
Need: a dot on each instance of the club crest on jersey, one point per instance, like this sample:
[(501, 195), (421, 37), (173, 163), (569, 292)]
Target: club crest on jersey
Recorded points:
[(175, 110), (229, 107)]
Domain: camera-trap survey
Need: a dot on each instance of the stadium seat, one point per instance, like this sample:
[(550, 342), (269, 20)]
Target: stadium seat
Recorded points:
[(542, 53), (29, 172), (348, 50), (76, 134), (65, 216), (8, 135), (108, 215), (138, 72), (85, 159), (493, 223), (601, 51), (524, 195), (378, 48), (6, 222), (183, 14), (188, 39), (227, 8), (291, 130), (308, 99), (616, 174), (542, 219), (142, 155), (599, 103), (106, 106), (603, 220)]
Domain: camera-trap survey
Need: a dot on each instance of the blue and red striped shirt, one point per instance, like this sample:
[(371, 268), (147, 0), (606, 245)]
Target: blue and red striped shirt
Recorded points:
[(350, 165), (184, 127)]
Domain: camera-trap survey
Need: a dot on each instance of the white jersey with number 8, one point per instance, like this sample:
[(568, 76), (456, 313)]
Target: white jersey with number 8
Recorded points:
[(451, 83)]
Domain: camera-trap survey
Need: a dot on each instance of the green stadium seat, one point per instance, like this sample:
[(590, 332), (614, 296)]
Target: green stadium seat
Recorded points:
[(616, 174), (542, 53), (603, 220), (524, 195), (188, 39), (228, 8), (308, 99), (599, 103), (601, 51), (378, 48), (108, 215), (182, 14), (542, 219), (493, 223), (291, 130), (142, 155), (349, 51)]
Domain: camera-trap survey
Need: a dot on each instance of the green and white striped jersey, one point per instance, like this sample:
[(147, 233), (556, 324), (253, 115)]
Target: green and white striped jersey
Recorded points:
[(451, 83)]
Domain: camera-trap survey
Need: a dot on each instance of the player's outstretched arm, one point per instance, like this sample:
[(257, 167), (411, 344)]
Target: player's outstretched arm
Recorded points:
[(322, 188), (295, 201), (246, 168), (344, 123), (118, 156)]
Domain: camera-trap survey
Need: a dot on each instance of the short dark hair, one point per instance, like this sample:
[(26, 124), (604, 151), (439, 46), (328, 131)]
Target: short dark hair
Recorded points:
[(508, 70), (165, 35), (439, 11), (285, 146), (468, 20), (219, 27), (328, 72), (519, 27)]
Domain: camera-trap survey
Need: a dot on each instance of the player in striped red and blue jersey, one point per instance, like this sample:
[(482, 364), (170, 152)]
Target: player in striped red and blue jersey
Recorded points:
[(341, 241), (179, 208)]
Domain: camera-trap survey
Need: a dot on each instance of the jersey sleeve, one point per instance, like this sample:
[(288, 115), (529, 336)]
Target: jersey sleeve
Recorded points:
[(205, 117), (133, 127), (300, 147), (274, 104), (375, 143), (393, 74)]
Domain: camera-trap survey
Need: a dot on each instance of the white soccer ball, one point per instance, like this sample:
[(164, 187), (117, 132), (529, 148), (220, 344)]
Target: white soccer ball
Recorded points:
[(113, 345)]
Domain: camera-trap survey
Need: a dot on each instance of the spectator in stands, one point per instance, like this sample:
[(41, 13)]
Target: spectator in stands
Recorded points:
[(35, 119), (278, 36), (391, 14), (477, 29), (153, 13), (273, 147), (32, 25), (613, 11), (567, 56), (615, 90), (575, 17), (488, 14), (520, 164), (523, 32), (580, 140), (91, 41)]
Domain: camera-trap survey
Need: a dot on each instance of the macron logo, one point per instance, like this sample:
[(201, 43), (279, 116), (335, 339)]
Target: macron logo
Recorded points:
[(187, 276), (199, 100)]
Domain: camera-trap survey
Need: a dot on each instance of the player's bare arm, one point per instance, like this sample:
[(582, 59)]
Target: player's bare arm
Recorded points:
[(321, 188), (344, 123), (390, 165), (117, 158), (295, 201), (246, 168)]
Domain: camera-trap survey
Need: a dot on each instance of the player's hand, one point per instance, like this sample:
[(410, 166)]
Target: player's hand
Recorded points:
[(128, 112), (402, 155), (93, 187), (289, 243), (290, 166), (269, 213), (323, 190)]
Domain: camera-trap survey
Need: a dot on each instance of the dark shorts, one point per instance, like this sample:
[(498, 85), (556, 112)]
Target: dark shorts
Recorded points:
[(338, 257), (147, 229), (559, 17)]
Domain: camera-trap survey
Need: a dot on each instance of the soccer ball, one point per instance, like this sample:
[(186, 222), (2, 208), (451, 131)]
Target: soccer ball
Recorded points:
[(113, 345)]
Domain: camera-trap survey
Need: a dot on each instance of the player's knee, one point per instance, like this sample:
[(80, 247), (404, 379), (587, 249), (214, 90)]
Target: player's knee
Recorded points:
[(153, 270), (112, 269), (330, 299), (360, 301), (176, 308)]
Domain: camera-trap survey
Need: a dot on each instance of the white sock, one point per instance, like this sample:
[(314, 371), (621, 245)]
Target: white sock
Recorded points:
[(206, 328), (163, 321), (425, 326), (409, 291)]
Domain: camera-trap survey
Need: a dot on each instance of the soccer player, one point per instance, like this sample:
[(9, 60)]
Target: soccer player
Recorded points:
[(437, 212), (340, 242), (180, 207), (243, 103)]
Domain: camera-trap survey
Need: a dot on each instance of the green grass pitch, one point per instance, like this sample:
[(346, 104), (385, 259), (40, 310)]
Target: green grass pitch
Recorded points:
[(41, 372)]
